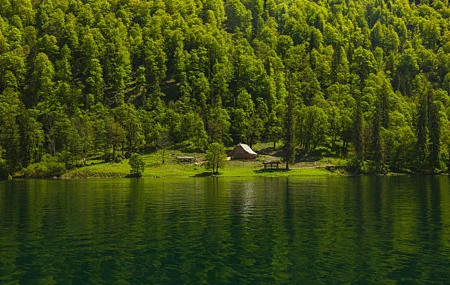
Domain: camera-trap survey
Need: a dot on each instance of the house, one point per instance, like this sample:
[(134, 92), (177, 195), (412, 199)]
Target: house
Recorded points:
[(243, 151)]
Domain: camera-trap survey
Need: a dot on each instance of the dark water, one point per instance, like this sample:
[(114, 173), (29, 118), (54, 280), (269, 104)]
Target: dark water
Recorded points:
[(393, 230)]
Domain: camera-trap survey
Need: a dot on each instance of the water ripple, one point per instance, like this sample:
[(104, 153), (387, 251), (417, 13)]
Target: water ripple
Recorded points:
[(223, 231)]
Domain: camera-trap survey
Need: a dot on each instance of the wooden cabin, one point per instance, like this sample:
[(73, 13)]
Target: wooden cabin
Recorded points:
[(243, 151)]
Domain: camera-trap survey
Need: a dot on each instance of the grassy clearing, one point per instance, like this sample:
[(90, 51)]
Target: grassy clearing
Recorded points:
[(171, 168), (153, 168)]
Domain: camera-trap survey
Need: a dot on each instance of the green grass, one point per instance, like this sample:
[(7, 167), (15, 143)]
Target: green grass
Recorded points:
[(153, 167), (254, 168), (171, 168)]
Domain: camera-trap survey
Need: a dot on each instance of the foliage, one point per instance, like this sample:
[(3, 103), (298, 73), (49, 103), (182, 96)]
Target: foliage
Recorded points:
[(49, 167), (3, 167), (365, 79), (215, 157), (137, 165)]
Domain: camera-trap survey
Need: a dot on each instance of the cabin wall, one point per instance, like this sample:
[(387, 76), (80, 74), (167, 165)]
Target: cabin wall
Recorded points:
[(240, 153)]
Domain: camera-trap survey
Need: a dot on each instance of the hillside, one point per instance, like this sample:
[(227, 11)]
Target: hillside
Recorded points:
[(367, 81)]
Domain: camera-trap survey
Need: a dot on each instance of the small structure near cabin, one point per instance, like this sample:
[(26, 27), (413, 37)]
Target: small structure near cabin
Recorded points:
[(185, 159), (243, 151), (271, 165)]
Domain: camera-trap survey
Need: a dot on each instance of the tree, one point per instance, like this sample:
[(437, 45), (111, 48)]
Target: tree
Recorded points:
[(3, 166), (129, 119), (42, 79), (363, 64), (87, 78), (274, 130), (137, 165), (9, 134), (358, 133), (115, 134), (32, 138), (406, 71), (241, 126), (194, 131), (215, 157), (378, 90), (424, 92), (163, 140), (293, 104), (218, 124), (313, 125)]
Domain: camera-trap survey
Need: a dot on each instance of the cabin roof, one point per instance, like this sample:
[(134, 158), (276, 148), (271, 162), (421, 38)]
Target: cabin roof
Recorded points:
[(247, 148)]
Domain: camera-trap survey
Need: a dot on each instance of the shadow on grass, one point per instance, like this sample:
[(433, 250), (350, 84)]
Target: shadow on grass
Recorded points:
[(134, 175), (271, 170), (205, 174)]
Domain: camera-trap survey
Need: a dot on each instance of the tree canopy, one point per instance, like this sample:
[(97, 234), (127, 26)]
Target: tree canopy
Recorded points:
[(367, 80)]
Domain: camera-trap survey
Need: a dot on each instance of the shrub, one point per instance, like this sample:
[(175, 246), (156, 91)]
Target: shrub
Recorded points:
[(47, 168)]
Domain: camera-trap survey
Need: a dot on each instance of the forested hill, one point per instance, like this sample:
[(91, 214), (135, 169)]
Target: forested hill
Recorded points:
[(366, 79)]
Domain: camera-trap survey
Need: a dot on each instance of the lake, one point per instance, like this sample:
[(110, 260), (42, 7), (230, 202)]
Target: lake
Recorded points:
[(336, 230)]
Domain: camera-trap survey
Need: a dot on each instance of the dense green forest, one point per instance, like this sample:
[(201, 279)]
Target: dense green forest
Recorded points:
[(368, 80)]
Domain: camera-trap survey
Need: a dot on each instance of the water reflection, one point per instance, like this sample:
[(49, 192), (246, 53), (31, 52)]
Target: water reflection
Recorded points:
[(216, 231)]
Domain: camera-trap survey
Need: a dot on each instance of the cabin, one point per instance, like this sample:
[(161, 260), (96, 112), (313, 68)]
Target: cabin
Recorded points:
[(243, 151)]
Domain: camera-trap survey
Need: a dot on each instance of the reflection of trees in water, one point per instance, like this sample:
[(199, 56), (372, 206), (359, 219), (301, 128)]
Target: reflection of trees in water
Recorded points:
[(216, 231)]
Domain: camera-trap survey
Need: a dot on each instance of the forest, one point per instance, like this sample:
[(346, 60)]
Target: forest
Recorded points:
[(366, 80)]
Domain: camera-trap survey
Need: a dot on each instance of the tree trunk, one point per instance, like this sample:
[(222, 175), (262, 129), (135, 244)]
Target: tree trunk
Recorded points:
[(333, 143)]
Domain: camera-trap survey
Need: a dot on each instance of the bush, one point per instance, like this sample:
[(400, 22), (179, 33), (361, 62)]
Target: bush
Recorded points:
[(64, 156), (137, 165), (47, 168)]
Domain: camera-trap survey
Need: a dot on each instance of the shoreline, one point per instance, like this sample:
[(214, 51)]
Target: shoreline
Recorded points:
[(176, 171), (292, 173), (154, 168)]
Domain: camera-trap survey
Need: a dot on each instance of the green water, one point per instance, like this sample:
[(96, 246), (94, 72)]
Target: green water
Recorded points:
[(393, 230)]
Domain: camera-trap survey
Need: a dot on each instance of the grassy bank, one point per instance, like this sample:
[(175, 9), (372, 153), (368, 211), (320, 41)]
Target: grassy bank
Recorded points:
[(154, 168)]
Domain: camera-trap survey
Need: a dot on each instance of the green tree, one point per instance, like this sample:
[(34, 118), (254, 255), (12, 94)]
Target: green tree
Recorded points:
[(215, 157), (137, 165), (3, 168), (86, 78), (218, 124), (423, 90), (241, 124), (10, 136), (274, 130), (115, 135), (407, 69), (194, 131), (32, 137), (313, 125), (163, 140)]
